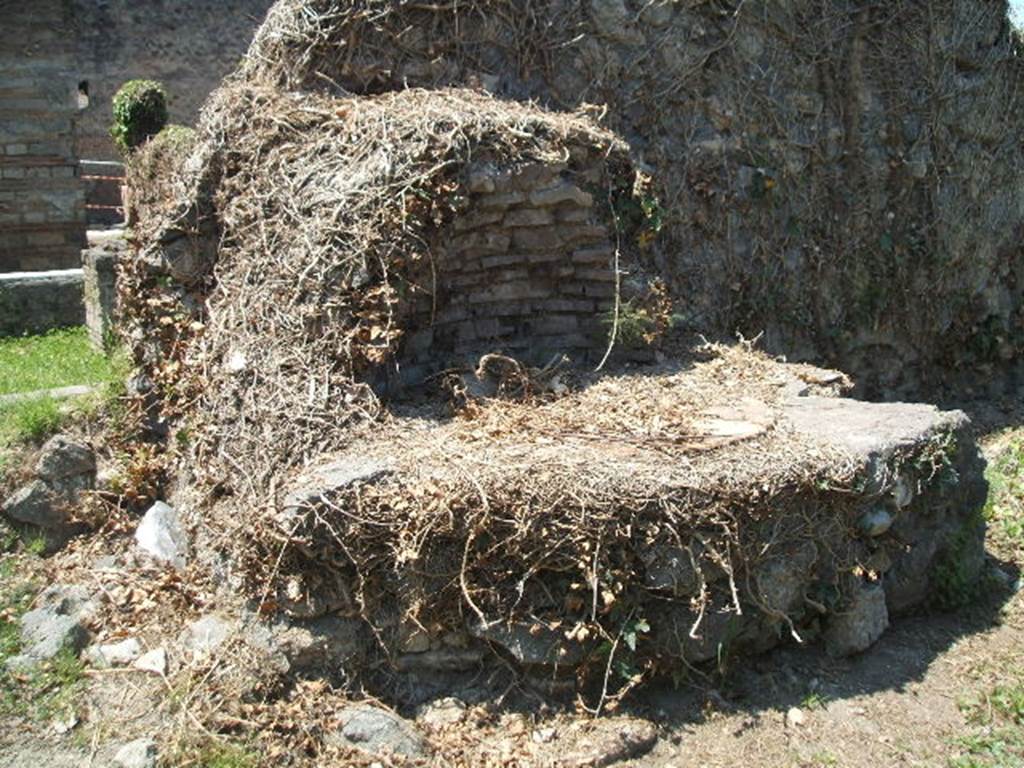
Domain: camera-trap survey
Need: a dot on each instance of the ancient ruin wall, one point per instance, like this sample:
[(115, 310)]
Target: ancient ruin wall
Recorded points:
[(842, 177), (189, 45)]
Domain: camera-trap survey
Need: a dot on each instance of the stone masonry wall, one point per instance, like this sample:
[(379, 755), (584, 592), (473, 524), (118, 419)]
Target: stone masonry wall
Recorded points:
[(42, 214), (527, 271), (61, 61), (188, 45)]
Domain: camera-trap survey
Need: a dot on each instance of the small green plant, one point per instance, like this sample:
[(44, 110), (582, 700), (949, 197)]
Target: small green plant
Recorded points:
[(1004, 510), (814, 700), (635, 324), (140, 113), (209, 753), (955, 577)]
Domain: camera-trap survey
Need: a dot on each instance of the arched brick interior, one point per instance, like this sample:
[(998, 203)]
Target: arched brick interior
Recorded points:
[(528, 271)]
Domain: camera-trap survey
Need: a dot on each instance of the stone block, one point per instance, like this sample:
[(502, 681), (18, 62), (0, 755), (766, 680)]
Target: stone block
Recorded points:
[(533, 175), (596, 275), (100, 291), (480, 243), (601, 254), (545, 258), (478, 219), (583, 306), (573, 215), (34, 302), (541, 239), (554, 325), (580, 234), (504, 260), (501, 201), (564, 192), (529, 217), (518, 291)]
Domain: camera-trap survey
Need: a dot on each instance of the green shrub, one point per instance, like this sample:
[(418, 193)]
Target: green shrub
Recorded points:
[(140, 112)]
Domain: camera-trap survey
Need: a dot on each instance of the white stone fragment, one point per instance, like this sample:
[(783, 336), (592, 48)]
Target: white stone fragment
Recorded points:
[(161, 537)]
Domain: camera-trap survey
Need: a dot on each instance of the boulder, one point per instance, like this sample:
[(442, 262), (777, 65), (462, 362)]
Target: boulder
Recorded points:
[(63, 470)]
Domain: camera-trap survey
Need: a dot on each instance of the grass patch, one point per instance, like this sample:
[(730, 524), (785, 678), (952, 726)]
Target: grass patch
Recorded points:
[(998, 721), (56, 359), (1004, 510), (209, 753), (59, 358)]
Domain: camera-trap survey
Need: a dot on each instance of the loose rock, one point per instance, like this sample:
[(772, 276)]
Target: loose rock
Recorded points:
[(62, 458), (154, 661), (45, 632), (442, 713), (160, 535), (114, 654), (377, 731), (860, 625), (876, 522), (141, 753)]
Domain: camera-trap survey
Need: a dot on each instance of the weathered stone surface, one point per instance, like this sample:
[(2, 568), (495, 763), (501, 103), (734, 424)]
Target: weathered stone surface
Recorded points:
[(141, 753), (561, 193), (529, 217), (61, 458), (876, 521), (323, 482), (782, 580), (377, 731), (34, 504), (154, 662), (205, 635), (441, 714), (100, 287), (606, 742), (871, 432), (441, 660), (36, 302), (47, 630), (161, 536), (114, 654), (532, 644), (328, 642), (614, 21), (64, 469), (859, 625)]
